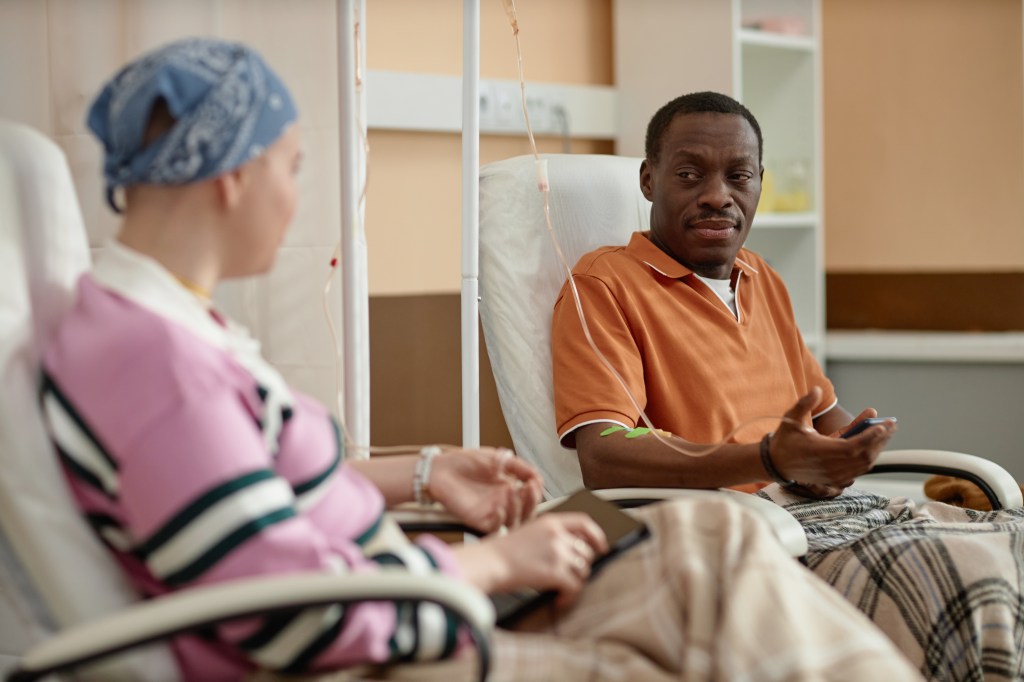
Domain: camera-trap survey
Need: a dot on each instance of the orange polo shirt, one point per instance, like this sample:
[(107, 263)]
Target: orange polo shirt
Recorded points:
[(695, 369)]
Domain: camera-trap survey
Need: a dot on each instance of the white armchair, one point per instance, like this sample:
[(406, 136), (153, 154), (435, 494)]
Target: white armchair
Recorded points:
[(63, 600)]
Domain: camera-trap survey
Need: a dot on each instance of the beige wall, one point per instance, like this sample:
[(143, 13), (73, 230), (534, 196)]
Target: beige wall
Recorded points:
[(924, 135), (413, 207), (563, 41), (413, 212)]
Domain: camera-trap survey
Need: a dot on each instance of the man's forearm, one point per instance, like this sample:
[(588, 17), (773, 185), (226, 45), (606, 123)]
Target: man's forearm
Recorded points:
[(614, 461)]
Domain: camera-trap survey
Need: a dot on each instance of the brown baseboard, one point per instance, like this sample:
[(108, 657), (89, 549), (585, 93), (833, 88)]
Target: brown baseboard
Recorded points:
[(961, 301)]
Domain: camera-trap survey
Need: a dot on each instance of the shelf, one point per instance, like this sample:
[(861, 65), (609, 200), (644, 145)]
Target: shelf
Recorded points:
[(777, 40), (775, 221), (814, 342), (904, 346)]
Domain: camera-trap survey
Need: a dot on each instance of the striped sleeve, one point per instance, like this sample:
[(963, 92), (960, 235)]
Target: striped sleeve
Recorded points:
[(79, 448), (220, 520), (423, 632), (201, 503)]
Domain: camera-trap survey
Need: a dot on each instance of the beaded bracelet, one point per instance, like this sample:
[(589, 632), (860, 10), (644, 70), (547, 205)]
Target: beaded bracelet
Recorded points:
[(766, 461), (421, 479)]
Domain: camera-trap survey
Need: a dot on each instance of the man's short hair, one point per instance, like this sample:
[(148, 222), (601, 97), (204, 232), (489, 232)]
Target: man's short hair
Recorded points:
[(695, 103)]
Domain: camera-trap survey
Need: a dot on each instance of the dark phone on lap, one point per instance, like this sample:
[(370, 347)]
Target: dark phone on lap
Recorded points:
[(622, 530)]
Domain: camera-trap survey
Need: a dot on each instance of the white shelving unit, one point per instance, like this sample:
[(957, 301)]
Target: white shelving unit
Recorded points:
[(664, 50), (777, 75)]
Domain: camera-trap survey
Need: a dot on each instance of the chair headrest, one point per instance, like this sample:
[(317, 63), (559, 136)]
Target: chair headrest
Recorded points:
[(595, 200), (43, 250), (64, 575)]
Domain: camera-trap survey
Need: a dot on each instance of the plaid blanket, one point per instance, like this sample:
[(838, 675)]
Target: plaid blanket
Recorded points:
[(944, 583)]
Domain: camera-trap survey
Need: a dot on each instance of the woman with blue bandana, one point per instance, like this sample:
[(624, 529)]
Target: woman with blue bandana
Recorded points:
[(195, 463)]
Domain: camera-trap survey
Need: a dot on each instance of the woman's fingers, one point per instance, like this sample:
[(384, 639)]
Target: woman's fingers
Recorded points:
[(582, 557), (583, 528), (576, 558), (514, 506), (524, 482)]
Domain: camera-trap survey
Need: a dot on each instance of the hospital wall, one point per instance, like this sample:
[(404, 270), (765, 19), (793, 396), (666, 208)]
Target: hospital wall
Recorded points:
[(924, 139), (924, 173), (924, 164)]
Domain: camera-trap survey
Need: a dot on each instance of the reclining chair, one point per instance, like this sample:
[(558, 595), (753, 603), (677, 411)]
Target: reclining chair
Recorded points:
[(63, 600), (596, 200)]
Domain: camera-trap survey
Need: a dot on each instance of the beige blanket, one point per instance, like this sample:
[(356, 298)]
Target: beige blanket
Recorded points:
[(710, 597)]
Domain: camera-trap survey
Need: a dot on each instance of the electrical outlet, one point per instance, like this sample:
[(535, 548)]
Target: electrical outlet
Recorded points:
[(487, 105), (501, 108), (508, 111)]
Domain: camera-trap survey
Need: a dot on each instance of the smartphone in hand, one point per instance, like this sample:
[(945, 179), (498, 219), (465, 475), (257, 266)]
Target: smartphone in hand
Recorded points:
[(863, 424)]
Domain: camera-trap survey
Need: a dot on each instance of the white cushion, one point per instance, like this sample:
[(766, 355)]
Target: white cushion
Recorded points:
[(595, 200)]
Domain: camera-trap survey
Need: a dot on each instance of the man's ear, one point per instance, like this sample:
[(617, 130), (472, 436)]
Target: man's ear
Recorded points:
[(230, 187), (645, 180)]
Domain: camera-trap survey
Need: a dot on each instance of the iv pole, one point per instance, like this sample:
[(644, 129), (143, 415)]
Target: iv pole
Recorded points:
[(354, 288), (355, 305), (470, 223)]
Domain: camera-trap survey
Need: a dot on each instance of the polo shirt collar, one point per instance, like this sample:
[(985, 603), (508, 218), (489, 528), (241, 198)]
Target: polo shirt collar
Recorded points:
[(643, 249)]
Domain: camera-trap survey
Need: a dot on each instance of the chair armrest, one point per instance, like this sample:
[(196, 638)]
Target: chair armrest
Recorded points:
[(417, 518), (172, 614), (997, 483), (787, 529)]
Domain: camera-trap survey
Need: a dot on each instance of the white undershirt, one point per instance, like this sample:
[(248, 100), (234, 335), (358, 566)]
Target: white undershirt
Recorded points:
[(722, 289)]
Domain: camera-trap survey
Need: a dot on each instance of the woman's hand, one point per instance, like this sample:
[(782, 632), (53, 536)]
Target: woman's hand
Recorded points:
[(486, 488), (552, 552)]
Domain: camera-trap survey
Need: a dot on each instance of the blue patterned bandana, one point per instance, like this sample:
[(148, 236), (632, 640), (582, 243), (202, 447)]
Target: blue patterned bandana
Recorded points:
[(227, 104)]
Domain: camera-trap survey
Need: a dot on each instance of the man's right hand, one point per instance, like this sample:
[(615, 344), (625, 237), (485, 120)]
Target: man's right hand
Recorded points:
[(822, 464)]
